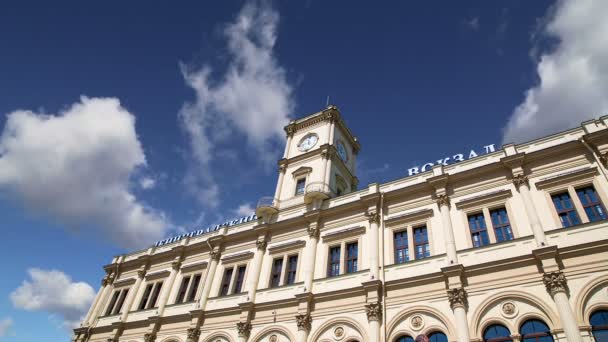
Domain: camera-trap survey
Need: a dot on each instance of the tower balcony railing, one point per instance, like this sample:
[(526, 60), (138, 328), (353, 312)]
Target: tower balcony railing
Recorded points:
[(317, 190), (267, 205)]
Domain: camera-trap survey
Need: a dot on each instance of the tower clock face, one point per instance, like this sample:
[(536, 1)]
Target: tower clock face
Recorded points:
[(308, 142), (341, 151)]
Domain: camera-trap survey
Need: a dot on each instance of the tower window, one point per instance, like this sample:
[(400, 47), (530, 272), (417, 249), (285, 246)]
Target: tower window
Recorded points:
[(300, 186)]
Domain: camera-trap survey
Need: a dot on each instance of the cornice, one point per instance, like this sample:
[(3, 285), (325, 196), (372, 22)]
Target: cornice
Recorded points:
[(237, 257), (343, 234), (477, 200), (286, 246), (408, 217), (566, 177), (157, 275)]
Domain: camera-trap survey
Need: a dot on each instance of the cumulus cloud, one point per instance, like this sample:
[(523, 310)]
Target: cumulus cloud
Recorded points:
[(54, 292), (147, 183), (572, 77), (5, 326), (252, 97), (75, 167), (244, 209)]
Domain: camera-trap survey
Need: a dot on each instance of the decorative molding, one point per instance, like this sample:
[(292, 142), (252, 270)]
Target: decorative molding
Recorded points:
[(409, 217), (157, 275), (192, 334), (457, 297), (373, 217), (304, 322), (567, 177), (508, 309), (301, 171), (198, 265), (555, 282), (244, 328), (417, 322), (286, 246), (344, 233), (149, 337), (261, 243), (175, 265), (215, 255), (373, 311), (237, 257), (108, 279), (484, 199), (141, 273), (313, 231), (124, 282), (520, 180), (443, 200)]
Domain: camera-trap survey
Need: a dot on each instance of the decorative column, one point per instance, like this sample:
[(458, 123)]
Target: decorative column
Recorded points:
[(521, 183), (374, 220), (304, 322), (102, 295), (169, 285), (309, 263), (443, 201), (134, 290), (557, 286), (458, 303), (254, 277), (193, 334), (327, 170), (277, 193), (374, 314), (214, 257), (244, 328)]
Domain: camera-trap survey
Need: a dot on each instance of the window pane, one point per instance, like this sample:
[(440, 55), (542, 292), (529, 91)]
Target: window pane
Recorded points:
[(226, 282), (240, 276), (194, 287), (300, 186), (155, 293), (351, 257), (405, 339), (496, 332), (277, 267), (292, 265), (401, 247), (145, 297), (591, 203), (182, 290), (502, 227), (121, 301), (421, 242), (535, 330), (438, 337), (565, 209), (334, 262), (112, 302)]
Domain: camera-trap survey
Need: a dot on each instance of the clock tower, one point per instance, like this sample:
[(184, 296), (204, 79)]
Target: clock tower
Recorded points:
[(318, 163)]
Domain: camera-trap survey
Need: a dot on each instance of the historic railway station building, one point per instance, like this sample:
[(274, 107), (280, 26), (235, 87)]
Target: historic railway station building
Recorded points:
[(509, 246)]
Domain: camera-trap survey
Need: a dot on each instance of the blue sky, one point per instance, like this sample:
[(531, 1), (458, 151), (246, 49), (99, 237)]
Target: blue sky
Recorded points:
[(123, 122)]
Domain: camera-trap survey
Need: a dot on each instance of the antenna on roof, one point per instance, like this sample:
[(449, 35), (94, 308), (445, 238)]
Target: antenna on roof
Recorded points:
[(327, 102)]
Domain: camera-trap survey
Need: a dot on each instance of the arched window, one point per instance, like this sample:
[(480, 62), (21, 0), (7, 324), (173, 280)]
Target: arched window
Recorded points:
[(438, 337), (535, 330), (496, 333), (404, 338), (599, 325)]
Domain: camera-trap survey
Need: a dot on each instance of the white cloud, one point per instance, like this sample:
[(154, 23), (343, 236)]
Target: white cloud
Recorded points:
[(54, 292), (244, 209), (75, 167), (252, 98), (147, 183), (573, 77), (5, 326)]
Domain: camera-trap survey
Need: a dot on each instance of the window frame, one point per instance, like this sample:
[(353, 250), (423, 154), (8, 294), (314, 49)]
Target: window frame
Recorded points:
[(593, 205), (297, 181), (331, 263), (274, 274), (428, 243), (284, 251), (191, 289), (349, 258), (408, 222), (406, 246), (479, 230)]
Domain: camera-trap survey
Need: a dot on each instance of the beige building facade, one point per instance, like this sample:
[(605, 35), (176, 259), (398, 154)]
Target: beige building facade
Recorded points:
[(511, 245)]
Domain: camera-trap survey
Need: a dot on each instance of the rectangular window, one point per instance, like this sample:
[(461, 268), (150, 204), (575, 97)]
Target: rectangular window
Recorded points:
[(352, 252), (402, 251), (121, 301), (112, 303), (226, 282), (300, 186), (292, 265), (182, 290), (501, 225), (277, 267), (240, 276), (591, 203), (479, 232), (145, 297), (333, 268), (193, 287), (565, 209), (421, 243), (155, 294)]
